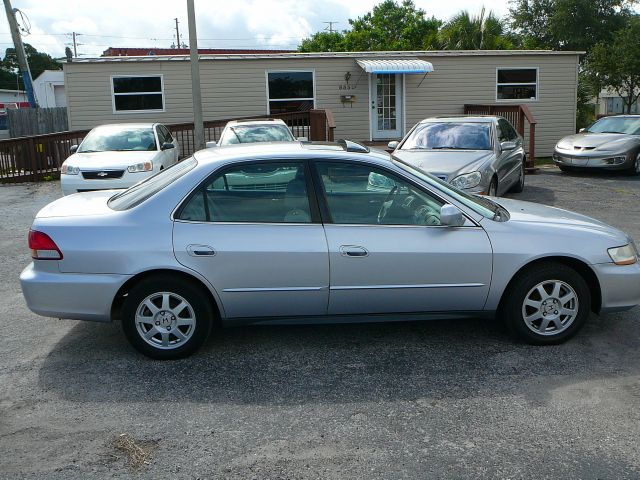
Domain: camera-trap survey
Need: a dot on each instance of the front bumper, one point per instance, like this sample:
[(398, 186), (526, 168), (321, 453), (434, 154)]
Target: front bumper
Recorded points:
[(608, 161), (76, 183), (619, 285), (70, 295)]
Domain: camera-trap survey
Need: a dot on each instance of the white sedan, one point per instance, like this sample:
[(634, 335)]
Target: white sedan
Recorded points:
[(118, 156)]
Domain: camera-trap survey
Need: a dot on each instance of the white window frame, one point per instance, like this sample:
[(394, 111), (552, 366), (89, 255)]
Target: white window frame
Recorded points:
[(124, 112), (298, 70), (519, 100)]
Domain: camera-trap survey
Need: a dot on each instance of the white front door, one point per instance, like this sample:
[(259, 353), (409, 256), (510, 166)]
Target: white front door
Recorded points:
[(386, 106)]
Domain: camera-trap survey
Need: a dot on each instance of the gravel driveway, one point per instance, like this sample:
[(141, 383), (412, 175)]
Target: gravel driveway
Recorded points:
[(455, 399)]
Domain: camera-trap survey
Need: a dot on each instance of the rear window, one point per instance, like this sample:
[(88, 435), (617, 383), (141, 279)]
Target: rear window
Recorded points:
[(148, 188)]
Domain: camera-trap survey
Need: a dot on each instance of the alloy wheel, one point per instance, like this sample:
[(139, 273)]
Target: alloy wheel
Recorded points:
[(550, 307), (165, 320)]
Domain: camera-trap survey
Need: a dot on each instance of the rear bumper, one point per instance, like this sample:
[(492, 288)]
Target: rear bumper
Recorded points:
[(620, 286), (70, 295)]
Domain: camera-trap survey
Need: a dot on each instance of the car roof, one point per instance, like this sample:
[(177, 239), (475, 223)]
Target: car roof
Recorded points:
[(290, 150), (463, 119), (262, 121)]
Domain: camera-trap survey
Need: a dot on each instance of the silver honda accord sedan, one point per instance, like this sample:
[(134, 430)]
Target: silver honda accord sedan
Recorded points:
[(317, 232)]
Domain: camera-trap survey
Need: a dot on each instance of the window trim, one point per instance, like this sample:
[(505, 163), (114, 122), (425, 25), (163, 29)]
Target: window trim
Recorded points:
[(288, 70), (314, 208), (124, 112), (519, 100)]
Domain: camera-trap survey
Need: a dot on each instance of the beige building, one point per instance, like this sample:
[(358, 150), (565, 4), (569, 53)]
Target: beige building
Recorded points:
[(373, 95)]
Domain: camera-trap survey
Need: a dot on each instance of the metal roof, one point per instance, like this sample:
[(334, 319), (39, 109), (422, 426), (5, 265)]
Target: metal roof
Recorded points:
[(320, 55), (408, 65)]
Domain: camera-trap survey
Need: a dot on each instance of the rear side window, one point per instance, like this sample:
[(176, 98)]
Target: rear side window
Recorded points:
[(253, 193), (146, 189)]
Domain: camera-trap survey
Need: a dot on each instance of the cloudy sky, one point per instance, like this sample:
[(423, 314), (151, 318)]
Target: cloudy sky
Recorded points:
[(221, 24)]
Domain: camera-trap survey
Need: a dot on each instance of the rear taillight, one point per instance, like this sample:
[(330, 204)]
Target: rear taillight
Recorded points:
[(42, 247)]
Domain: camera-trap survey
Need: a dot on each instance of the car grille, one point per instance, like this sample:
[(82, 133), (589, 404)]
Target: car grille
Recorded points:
[(102, 174)]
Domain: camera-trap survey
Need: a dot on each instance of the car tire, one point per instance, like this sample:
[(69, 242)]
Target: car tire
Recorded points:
[(635, 168), (565, 169), (552, 317), (493, 187), (167, 318), (519, 186)]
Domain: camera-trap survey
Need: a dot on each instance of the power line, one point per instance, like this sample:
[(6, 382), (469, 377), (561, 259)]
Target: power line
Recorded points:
[(329, 26)]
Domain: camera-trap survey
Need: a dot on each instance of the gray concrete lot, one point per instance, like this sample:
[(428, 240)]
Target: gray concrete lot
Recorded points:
[(440, 399)]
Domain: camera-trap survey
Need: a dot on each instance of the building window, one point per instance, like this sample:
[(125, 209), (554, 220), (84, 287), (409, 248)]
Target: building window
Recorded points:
[(137, 93), (290, 91), (517, 84)]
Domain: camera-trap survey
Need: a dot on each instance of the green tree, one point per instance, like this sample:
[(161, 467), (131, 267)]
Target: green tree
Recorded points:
[(323, 42), (616, 64), (478, 32), (567, 24), (38, 63)]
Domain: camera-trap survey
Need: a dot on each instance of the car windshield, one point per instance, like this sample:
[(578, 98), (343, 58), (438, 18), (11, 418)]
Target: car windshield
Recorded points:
[(628, 125), (119, 139), (449, 136), (478, 204), (256, 133), (144, 190)]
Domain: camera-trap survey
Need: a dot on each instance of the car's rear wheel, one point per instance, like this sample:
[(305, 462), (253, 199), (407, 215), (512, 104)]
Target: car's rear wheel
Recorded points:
[(546, 304), (166, 318), (519, 186)]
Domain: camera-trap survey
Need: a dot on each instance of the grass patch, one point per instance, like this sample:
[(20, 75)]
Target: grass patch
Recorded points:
[(544, 161), (137, 453)]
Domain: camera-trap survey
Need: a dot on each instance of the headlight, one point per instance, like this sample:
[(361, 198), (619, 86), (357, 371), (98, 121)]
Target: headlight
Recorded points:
[(625, 255), (140, 167), (564, 145), (69, 170), (468, 180)]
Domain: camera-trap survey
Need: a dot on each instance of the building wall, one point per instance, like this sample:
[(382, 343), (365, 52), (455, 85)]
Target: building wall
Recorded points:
[(235, 88), (49, 89)]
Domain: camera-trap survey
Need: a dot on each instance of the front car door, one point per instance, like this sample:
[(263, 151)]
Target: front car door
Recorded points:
[(508, 160), (388, 252), (253, 232)]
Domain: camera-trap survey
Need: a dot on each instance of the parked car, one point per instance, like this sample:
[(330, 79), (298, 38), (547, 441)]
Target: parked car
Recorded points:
[(356, 235), (118, 156), (611, 143), (254, 131), (482, 154)]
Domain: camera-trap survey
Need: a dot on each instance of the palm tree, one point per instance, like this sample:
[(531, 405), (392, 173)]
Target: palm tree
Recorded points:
[(480, 32)]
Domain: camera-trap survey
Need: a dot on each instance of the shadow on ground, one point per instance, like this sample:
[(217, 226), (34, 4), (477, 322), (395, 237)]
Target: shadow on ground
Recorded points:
[(266, 365)]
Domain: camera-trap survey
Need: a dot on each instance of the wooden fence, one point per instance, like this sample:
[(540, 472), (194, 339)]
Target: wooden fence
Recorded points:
[(37, 157), (23, 122)]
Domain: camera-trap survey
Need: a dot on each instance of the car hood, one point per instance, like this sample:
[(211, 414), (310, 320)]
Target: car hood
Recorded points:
[(79, 204), (534, 213), (99, 160), (598, 141), (445, 162)]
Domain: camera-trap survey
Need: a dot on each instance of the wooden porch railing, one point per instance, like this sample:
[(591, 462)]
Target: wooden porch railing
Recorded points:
[(516, 114), (37, 157)]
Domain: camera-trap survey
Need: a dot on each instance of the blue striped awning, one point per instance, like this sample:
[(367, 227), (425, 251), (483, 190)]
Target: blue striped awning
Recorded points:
[(406, 65)]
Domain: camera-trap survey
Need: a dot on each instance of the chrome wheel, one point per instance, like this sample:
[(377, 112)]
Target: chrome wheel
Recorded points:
[(636, 165), (550, 307), (165, 320)]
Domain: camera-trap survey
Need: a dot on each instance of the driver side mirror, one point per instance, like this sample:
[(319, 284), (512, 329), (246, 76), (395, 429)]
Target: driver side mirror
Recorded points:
[(451, 216), (167, 146), (302, 139), (393, 145), (581, 130), (507, 145), (73, 149), (211, 144)]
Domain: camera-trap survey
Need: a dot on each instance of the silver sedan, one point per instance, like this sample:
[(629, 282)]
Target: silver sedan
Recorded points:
[(310, 232), (481, 154), (611, 143)]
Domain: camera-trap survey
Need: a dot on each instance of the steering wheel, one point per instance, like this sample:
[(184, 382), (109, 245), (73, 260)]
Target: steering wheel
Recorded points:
[(388, 202)]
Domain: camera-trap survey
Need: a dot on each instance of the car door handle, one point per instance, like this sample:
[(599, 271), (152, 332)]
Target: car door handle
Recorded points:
[(353, 251), (200, 251)]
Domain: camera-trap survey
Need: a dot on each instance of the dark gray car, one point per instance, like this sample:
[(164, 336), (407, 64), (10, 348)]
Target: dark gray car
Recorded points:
[(611, 143), (481, 154)]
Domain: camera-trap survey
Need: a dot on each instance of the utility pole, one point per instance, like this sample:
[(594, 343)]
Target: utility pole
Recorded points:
[(330, 26), (21, 54), (75, 44), (178, 43), (198, 125)]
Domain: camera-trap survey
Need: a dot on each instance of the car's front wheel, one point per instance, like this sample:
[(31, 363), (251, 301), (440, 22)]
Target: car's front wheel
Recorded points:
[(166, 318), (546, 304), (635, 168)]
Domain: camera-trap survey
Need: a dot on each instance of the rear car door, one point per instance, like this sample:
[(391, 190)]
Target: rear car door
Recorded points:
[(388, 252), (254, 232)]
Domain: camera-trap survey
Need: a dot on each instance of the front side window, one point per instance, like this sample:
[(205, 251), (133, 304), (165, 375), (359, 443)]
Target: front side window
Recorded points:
[(115, 138), (254, 193), (137, 93), (449, 136), (506, 133), (359, 194), (290, 92), (517, 84)]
